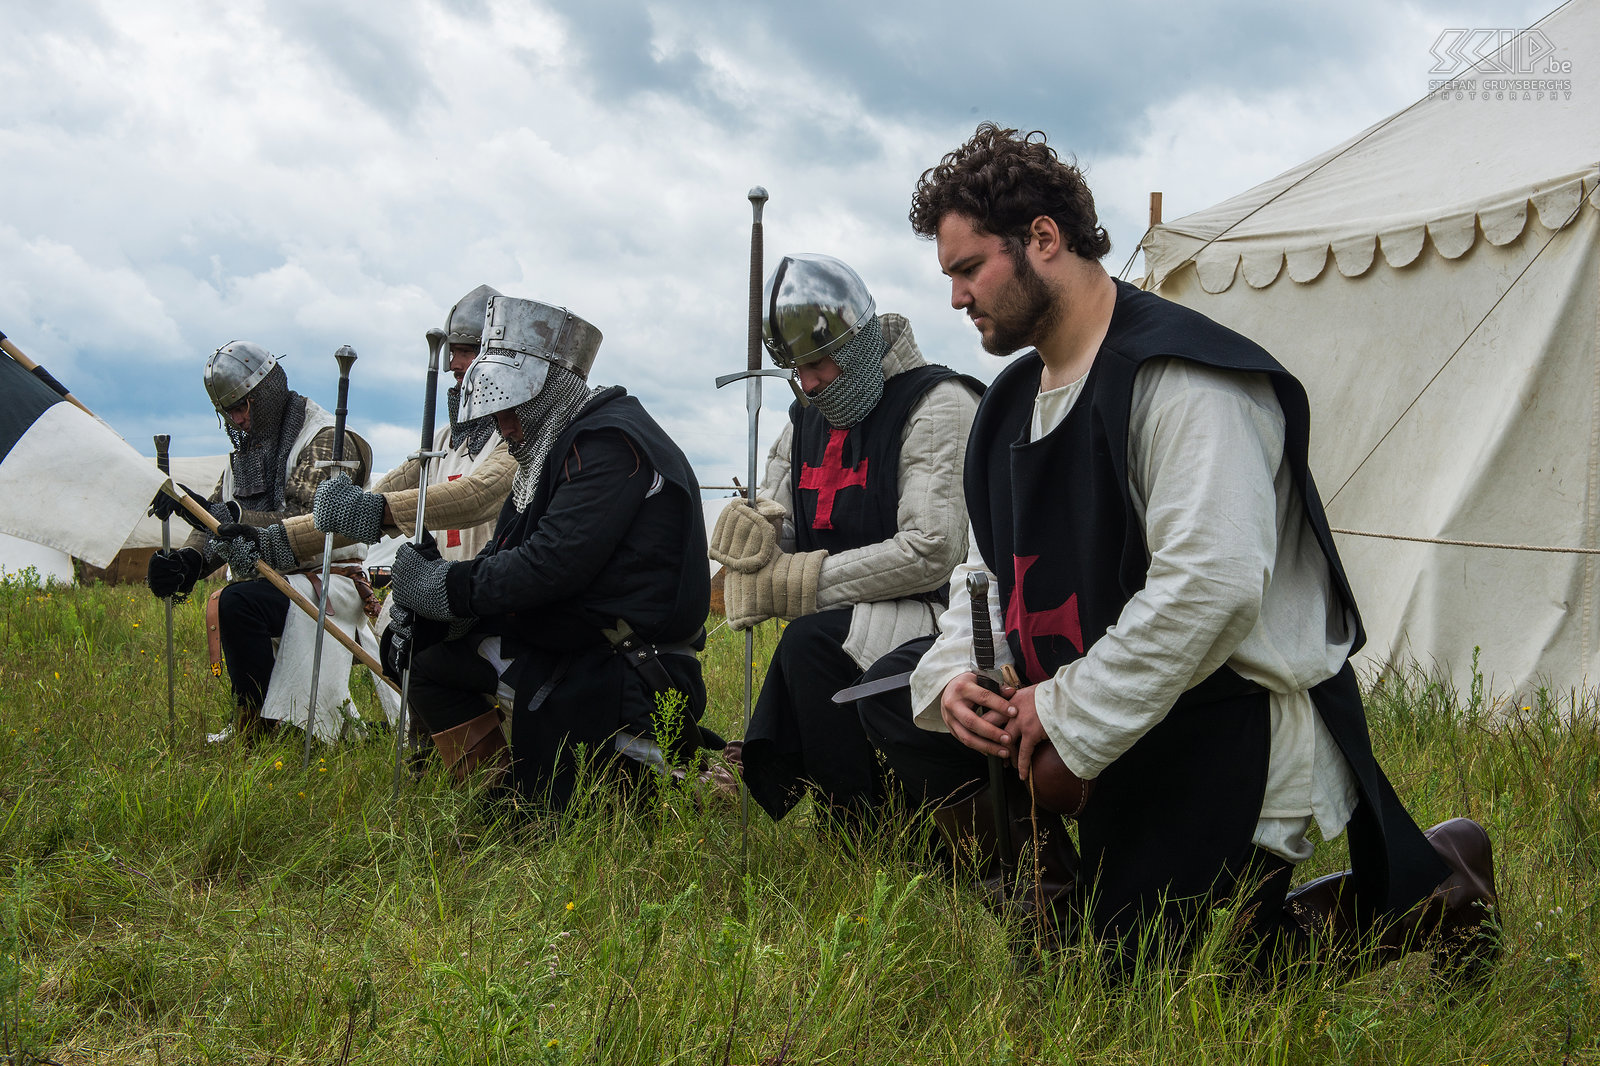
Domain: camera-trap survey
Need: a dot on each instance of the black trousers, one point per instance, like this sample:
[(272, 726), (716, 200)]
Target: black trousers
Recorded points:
[(449, 681), (798, 737), (592, 696), (927, 768), (1168, 831), (250, 616)]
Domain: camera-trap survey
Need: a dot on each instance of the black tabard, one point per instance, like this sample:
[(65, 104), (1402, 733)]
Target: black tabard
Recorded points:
[(663, 589), (847, 482), (1056, 518)]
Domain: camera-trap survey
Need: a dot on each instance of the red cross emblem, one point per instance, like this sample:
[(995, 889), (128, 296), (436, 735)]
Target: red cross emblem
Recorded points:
[(452, 538), (831, 476), (1059, 621)]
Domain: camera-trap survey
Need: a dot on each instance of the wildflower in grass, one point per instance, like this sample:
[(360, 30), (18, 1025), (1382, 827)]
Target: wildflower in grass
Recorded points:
[(571, 906), (302, 795), (322, 769), (58, 675), (552, 1042), (136, 625), (278, 765)]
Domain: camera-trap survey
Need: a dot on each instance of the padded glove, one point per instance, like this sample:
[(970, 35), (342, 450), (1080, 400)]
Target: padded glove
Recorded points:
[(418, 582), (243, 545), (344, 510), (784, 588), (174, 572), (745, 538)]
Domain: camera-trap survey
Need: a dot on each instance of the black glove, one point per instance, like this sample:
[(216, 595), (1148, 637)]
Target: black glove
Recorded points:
[(173, 573), (164, 507), (243, 545), (406, 635)]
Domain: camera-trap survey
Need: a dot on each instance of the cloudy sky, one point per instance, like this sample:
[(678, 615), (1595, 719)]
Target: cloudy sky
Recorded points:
[(311, 173)]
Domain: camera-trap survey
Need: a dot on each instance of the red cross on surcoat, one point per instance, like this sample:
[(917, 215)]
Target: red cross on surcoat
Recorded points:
[(831, 476), (1059, 621), (452, 537)]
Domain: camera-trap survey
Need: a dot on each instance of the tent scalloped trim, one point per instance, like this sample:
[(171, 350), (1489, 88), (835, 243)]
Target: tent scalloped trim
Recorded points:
[(1452, 237)]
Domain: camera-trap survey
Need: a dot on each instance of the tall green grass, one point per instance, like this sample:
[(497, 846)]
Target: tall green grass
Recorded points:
[(189, 903)]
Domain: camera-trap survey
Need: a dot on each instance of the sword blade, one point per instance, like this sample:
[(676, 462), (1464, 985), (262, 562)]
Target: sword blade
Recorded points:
[(436, 338), (345, 356), (164, 464)]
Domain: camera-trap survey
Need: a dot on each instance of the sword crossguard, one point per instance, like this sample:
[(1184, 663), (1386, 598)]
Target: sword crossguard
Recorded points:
[(764, 372), (347, 464)]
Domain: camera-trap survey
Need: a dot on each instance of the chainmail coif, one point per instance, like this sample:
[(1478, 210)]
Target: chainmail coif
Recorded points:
[(543, 419), (276, 417), (475, 433), (859, 386)]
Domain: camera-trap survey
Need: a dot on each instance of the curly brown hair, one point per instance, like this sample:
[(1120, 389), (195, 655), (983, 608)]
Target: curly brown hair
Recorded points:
[(1002, 181)]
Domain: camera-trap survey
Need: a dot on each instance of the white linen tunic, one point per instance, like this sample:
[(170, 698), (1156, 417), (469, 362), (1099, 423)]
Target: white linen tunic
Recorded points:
[(1236, 577)]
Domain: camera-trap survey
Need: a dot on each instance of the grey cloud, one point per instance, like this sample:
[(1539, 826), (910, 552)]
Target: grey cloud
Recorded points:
[(367, 48)]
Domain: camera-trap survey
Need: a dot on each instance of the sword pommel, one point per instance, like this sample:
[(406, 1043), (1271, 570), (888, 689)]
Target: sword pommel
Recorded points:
[(436, 338), (345, 356)]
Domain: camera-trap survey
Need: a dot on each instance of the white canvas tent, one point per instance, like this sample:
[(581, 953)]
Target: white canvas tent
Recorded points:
[(17, 555), (1435, 283)]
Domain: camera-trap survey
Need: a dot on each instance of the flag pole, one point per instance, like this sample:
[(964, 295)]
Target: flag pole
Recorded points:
[(41, 373)]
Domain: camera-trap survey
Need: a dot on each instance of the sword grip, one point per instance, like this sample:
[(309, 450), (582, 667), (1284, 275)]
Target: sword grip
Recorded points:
[(982, 635), (164, 464), (758, 199), (345, 356), (430, 399)]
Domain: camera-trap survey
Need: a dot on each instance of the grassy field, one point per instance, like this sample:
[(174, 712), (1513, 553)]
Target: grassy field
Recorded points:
[(177, 903)]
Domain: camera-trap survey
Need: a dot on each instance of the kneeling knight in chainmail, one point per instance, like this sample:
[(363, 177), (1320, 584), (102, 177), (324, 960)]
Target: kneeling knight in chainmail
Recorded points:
[(282, 450), (584, 612)]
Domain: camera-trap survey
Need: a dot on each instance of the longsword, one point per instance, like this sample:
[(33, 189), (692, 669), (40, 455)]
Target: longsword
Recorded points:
[(751, 376), (983, 667), (164, 464), (425, 455), (345, 356)]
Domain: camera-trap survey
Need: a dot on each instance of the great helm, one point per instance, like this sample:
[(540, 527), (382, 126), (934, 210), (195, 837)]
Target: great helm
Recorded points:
[(522, 339), (813, 306), (234, 369), (464, 324)]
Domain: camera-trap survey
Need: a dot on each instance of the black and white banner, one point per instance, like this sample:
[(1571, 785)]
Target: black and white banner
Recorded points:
[(66, 479)]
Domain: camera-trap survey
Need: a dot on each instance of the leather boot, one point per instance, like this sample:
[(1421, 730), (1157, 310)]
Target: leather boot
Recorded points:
[(477, 743), (1456, 919), (968, 827)]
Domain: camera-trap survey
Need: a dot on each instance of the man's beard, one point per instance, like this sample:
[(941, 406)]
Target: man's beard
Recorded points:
[(1024, 311)]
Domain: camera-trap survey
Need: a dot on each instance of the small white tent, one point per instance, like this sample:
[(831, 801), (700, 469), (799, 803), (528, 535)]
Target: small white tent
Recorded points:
[(1435, 283)]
